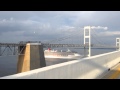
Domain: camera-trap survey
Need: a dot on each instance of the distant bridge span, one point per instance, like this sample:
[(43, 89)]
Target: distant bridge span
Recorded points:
[(53, 45), (13, 47)]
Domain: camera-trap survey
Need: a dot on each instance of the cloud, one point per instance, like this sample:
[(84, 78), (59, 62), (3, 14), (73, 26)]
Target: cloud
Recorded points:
[(49, 25), (11, 18), (67, 28), (112, 33), (99, 27)]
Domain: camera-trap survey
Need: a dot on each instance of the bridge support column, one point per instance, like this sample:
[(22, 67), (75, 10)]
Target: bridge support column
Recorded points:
[(87, 39), (31, 57), (14, 50), (117, 43)]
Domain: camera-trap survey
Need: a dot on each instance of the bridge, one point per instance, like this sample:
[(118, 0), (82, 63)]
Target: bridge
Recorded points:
[(91, 67), (74, 40), (13, 47)]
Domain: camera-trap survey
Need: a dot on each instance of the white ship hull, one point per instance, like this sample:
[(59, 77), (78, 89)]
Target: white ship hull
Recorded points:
[(61, 55)]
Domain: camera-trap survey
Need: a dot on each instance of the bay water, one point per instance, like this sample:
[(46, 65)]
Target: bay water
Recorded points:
[(8, 64)]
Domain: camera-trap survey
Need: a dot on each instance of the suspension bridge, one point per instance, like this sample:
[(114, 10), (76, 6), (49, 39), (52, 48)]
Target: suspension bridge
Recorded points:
[(90, 67), (77, 39)]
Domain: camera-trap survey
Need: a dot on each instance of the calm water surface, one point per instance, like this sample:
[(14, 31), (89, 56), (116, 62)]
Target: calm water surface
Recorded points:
[(8, 64)]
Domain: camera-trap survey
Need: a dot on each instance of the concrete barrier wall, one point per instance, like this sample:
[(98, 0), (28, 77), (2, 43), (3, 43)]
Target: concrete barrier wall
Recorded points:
[(87, 68)]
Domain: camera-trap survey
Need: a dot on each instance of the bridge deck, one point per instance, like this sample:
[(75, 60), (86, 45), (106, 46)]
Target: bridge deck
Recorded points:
[(114, 73)]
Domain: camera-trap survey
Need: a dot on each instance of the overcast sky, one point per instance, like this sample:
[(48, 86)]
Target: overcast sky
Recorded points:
[(18, 26)]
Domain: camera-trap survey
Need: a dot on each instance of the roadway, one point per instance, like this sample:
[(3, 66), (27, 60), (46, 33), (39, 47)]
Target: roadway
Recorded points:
[(114, 73)]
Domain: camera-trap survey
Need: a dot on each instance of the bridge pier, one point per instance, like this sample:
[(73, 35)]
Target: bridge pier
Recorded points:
[(14, 50), (31, 57)]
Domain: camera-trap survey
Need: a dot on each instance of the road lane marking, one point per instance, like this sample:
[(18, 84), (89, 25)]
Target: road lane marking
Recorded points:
[(115, 75)]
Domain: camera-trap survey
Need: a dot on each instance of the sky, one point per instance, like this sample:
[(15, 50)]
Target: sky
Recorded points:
[(45, 26)]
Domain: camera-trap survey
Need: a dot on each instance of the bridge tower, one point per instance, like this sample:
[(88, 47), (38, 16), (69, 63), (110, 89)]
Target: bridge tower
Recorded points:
[(87, 39), (117, 43)]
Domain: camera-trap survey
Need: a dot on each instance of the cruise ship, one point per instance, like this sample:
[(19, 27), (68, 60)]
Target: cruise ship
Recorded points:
[(61, 54)]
